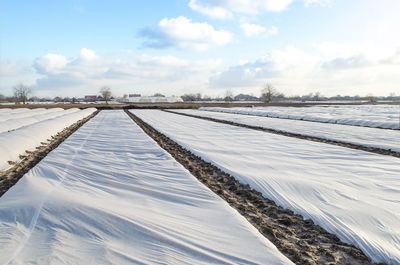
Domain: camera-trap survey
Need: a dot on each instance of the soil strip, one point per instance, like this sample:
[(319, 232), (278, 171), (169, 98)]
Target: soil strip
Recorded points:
[(11, 176), (300, 240), (376, 150)]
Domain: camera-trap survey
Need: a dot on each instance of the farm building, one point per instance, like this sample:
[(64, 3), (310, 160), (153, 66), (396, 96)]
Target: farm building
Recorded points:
[(149, 99)]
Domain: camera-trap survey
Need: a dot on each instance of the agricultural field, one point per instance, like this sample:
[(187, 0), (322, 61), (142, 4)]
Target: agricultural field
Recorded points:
[(170, 187), (377, 116), (262, 132)]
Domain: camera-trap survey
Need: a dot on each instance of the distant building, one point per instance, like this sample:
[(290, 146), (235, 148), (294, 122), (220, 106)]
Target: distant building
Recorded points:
[(90, 98), (134, 95), (57, 99), (243, 97), (146, 99)]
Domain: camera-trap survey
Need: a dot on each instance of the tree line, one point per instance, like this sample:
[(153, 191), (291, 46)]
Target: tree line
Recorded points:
[(269, 93)]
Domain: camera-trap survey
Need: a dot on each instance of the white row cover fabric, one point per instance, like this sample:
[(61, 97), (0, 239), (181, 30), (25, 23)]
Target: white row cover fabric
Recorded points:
[(378, 116), (351, 193), (110, 195), (16, 142), (14, 114), (15, 123), (8, 110), (370, 137)]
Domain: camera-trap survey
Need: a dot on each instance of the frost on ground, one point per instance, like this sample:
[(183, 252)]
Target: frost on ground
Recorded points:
[(26, 138), (379, 116), (110, 194), (351, 193), (370, 137)]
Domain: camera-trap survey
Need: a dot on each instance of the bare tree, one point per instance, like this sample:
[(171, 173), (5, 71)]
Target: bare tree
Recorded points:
[(21, 92), (371, 98), (105, 93), (206, 98), (191, 97), (317, 96), (268, 93), (198, 96), (228, 95)]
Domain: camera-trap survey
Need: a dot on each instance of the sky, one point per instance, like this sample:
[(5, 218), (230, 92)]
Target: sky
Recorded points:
[(75, 47)]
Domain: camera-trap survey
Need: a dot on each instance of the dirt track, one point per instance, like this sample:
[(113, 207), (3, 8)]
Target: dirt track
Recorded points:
[(11, 176), (300, 240), (296, 135)]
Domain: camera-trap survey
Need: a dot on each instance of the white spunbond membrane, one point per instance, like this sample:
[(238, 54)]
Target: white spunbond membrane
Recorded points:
[(378, 116), (16, 142), (23, 113), (351, 193), (370, 137), (110, 195), (15, 123), (6, 111)]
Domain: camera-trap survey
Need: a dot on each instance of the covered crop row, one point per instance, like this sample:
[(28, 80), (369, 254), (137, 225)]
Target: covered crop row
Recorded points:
[(377, 116), (369, 137), (23, 113), (16, 142), (17, 122), (351, 193), (15, 111)]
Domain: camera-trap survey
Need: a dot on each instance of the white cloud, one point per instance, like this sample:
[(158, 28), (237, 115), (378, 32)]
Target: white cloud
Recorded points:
[(253, 30), (146, 74), (13, 72), (393, 58), (212, 11), (87, 54), (370, 52), (340, 69), (13, 68), (291, 61), (223, 9), (271, 31), (333, 50), (161, 61), (293, 71), (317, 2), (347, 62), (181, 33), (50, 63)]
